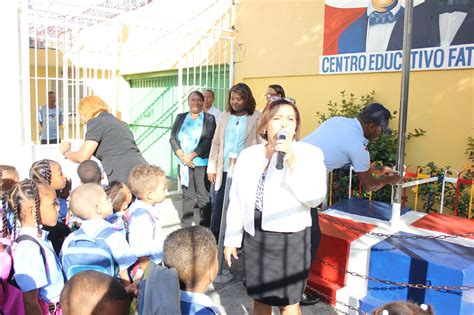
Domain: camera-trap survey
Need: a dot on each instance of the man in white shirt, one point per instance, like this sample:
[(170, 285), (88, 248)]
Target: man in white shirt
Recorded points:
[(50, 118), (208, 107), (344, 142)]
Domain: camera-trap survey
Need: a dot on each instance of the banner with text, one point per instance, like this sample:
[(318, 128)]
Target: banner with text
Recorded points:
[(451, 57), (364, 36)]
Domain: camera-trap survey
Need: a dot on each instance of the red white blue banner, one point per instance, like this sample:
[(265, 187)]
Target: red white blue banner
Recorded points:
[(367, 35)]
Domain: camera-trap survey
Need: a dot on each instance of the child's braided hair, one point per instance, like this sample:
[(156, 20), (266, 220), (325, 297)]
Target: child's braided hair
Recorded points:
[(24, 191), (41, 171)]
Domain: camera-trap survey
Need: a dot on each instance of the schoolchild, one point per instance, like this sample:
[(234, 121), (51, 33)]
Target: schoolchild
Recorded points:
[(121, 197), (93, 292), (148, 183), (50, 172), (89, 172), (8, 179), (90, 203), (403, 307), (192, 251), (37, 269)]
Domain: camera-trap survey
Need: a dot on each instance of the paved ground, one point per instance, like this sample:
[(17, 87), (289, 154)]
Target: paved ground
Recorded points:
[(231, 297)]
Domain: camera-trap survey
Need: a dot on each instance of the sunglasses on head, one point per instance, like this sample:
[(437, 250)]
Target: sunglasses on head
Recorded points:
[(278, 98)]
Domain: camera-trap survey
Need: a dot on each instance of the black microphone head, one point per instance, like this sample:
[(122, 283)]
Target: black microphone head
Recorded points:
[(282, 134)]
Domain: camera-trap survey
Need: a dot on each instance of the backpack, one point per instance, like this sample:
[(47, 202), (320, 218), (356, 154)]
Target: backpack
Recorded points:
[(6, 260), (11, 297), (158, 292), (118, 223), (87, 253), (6, 257)]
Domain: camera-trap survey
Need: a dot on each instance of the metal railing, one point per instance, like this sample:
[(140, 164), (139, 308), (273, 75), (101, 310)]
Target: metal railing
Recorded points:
[(423, 176)]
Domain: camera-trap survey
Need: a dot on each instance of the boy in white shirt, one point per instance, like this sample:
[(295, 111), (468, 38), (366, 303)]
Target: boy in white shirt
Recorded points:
[(192, 251), (148, 183), (90, 203)]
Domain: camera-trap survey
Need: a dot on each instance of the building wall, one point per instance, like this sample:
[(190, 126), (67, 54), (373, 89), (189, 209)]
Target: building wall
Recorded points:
[(281, 42)]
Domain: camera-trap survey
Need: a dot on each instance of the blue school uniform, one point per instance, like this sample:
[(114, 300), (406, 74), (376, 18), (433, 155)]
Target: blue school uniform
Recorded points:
[(144, 231), (118, 222), (116, 242), (30, 270), (63, 209), (193, 303)]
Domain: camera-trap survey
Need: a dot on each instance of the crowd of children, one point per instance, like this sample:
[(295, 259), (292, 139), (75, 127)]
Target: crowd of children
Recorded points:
[(98, 254), (101, 249)]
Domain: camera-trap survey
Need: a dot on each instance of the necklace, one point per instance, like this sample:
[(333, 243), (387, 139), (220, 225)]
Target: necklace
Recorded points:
[(238, 119)]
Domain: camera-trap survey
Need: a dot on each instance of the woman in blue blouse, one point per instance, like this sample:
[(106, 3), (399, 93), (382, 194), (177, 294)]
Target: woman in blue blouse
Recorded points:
[(191, 138), (236, 130)]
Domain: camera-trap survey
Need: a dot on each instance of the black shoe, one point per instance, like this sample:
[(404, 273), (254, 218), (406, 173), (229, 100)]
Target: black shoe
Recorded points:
[(309, 299)]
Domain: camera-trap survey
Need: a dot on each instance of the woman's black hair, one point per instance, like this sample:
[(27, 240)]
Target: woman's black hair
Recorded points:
[(210, 91), (198, 93), (278, 89), (246, 93)]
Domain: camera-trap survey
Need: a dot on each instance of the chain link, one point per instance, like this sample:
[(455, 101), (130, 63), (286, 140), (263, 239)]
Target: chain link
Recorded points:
[(426, 250), (336, 301), (441, 288), (391, 236)]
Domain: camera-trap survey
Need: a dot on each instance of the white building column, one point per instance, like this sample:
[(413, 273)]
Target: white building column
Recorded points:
[(15, 136)]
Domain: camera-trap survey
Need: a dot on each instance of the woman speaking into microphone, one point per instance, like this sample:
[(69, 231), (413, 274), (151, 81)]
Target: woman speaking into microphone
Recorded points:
[(270, 206)]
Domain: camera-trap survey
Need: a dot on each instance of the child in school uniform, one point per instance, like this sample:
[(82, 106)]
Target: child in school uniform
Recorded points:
[(50, 172), (89, 172), (148, 183), (121, 197), (90, 203), (8, 178), (37, 269), (192, 251), (92, 292)]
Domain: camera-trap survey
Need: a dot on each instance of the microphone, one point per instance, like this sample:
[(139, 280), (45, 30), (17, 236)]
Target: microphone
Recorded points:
[(281, 135)]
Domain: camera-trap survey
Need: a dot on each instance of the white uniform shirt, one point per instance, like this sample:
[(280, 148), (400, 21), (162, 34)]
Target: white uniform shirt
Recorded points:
[(215, 112), (145, 236), (343, 143), (30, 270)]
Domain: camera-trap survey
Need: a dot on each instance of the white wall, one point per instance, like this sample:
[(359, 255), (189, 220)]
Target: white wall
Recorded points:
[(13, 149)]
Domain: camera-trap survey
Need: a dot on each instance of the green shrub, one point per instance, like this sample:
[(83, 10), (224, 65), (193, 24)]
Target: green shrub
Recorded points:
[(383, 151)]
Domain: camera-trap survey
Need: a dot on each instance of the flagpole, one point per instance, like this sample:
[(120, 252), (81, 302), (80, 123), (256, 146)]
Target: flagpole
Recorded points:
[(403, 112)]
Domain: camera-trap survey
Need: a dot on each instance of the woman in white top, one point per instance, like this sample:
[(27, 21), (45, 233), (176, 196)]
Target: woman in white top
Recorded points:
[(270, 210)]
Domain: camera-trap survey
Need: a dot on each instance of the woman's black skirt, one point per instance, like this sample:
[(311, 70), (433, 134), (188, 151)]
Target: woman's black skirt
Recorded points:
[(276, 264)]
